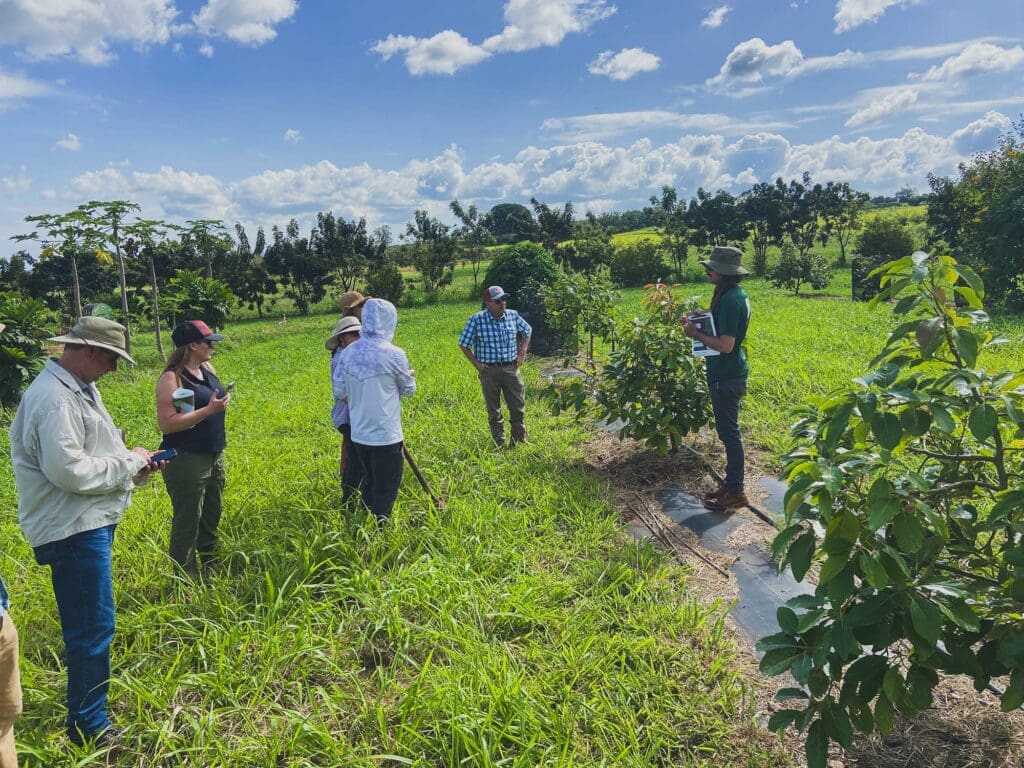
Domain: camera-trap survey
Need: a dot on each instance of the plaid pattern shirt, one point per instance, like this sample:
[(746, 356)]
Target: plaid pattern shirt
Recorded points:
[(494, 341)]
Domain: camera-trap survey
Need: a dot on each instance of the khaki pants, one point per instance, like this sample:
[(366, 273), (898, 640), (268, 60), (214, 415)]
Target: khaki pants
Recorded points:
[(10, 691), (504, 380)]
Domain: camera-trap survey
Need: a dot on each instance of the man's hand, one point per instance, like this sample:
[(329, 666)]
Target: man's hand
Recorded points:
[(151, 466), (690, 329), (480, 366)]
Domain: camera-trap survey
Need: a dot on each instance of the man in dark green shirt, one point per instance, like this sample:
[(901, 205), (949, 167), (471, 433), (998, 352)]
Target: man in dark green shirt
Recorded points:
[(728, 369)]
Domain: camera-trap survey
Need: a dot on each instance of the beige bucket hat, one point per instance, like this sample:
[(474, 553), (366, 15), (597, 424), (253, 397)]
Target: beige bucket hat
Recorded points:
[(350, 300), (347, 324), (93, 331)]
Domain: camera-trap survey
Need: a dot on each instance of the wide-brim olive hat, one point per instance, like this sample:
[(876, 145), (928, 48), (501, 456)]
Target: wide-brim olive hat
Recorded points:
[(347, 324), (725, 260), (94, 331)]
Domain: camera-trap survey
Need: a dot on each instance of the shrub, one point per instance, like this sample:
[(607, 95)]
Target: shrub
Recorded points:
[(581, 305), (384, 281), (638, 264), (651, 381), (28, 325), (190, 296), (885, 237), (794, 269), (518, 265), (906, 490)]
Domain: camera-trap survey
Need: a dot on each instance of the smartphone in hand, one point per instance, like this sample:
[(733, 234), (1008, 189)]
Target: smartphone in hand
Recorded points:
[(165, 455)]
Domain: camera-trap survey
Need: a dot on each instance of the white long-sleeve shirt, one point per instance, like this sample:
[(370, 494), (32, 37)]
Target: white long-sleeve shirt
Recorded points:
[(71, 467), (374, 405)]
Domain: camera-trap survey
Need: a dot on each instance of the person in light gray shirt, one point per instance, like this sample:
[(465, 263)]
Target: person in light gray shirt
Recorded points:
[(74, 477)]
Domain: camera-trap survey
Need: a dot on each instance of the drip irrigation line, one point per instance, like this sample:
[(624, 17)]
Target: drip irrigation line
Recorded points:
[(668, 537), (760, 513)]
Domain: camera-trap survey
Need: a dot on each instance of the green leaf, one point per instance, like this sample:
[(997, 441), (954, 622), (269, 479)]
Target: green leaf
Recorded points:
[(1006, 503), (882, 503), (787, 620), (982, 421), (959, 613), (838, 724), (783, 719), (800, 555), (782, 540), (926, 619), (832, 567), (873, 570), (811, 619), (884, 715), (816, 746), (866, 404), (967, 346), (780, 660), (1013, 697), (788, 694), (886, 429), (943, 419), (908, 531), (916, 421), (862, 719)]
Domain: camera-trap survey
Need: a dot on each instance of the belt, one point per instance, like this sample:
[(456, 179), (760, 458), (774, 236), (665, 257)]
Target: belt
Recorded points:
[(504, 363)]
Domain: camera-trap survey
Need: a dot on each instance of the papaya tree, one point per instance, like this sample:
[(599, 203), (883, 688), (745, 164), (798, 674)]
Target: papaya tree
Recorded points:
[(906, 496)]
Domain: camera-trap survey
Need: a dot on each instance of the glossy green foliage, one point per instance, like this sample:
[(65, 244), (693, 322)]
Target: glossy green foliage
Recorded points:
[(26, 325), (650, 381), (905, 493)]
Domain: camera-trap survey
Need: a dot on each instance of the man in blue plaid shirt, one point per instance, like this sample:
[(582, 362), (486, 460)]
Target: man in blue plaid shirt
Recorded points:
[(495, 342)]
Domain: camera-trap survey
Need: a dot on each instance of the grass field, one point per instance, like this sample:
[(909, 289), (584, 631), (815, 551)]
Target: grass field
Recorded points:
[(519, 627)]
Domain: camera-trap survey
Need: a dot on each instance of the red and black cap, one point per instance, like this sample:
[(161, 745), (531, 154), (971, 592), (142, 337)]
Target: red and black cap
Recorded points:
[(193, 330)]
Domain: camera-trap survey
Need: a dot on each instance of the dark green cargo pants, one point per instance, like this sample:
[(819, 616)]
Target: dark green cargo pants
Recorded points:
[(195, 483)]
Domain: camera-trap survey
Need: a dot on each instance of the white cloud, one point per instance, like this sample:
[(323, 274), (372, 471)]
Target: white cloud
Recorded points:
[(534, 23), (16, 88), (977, 59), (249, 22), (715, 18), (206, 49), (601, 126), (84, 29), (592, 174), (624, 64), (753, 63), (754, 60), (528, 24), (70, 142), (852, 13), (982, 134), (292, 136), (443, 54), (893, 103), (16, 185)]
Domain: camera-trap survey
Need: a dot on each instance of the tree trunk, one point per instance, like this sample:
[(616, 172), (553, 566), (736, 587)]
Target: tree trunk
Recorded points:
[(156, 309), (76, 291), (124, 293)]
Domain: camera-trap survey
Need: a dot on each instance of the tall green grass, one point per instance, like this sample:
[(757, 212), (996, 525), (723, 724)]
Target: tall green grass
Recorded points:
[(520, 627)]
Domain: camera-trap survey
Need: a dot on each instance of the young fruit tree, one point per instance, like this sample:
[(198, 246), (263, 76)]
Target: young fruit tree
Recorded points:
[(650, 381), (906, 492)]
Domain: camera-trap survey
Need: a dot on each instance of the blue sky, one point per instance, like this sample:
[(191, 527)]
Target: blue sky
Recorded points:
[(261, 110)]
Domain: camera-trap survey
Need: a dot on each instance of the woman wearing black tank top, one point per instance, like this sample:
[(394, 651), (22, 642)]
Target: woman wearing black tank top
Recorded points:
[(196, 479)]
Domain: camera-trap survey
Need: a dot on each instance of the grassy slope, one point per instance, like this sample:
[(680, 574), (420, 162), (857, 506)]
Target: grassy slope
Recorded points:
[(519, 626)]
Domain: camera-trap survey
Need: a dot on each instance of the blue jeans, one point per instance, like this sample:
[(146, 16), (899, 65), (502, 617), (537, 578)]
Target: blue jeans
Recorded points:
[(82, 583), (725, 402)]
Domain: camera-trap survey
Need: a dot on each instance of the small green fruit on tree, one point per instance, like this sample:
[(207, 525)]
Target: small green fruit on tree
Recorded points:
[(914, 478), (794, 269), (650, 381)]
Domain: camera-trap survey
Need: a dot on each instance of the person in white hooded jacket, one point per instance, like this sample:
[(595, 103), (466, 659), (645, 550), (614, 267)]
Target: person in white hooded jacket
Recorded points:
[(373, 375)]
